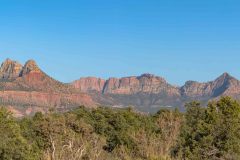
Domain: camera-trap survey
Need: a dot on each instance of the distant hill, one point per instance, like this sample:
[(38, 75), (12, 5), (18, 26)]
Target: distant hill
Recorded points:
[(149, 92), (26, 89)]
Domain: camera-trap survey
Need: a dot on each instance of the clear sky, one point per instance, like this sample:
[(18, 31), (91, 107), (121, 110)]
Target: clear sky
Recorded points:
[(177, 39)]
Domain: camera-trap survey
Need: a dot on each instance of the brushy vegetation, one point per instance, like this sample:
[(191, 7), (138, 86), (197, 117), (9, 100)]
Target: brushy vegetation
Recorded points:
[(211, 132)]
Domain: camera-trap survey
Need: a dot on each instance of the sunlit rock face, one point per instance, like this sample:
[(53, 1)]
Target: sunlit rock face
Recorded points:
[(10, 70), (28, 89), (150, 91), (30, 66), (89, 84), (146, 83)]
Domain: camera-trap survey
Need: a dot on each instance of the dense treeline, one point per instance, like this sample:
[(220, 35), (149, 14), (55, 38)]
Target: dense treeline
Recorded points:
[(211, 132)]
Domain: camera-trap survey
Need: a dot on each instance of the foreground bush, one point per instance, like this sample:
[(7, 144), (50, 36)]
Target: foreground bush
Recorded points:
[(102, 134), (12, 143), (212, 132), (202, 133)]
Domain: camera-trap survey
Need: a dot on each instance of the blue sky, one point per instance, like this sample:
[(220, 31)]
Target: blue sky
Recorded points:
[(179, 40)]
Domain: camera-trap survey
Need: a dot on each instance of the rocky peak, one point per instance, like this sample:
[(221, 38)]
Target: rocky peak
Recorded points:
[(30, 66), (225, 74), (151, 77), (224, 78), (223, 85), (10, 69), (147, 75)]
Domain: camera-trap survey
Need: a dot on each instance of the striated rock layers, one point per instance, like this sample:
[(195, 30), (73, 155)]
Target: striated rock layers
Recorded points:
[(223, 85), (89, 84), (27, 87), (149, 91), (145, 83), (10, 70)]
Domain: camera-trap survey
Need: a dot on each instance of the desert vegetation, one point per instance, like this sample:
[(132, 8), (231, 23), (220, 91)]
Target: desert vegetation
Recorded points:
[(103, 133)]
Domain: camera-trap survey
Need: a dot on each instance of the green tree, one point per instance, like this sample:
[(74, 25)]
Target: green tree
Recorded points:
[(212, 132), (13, 146)]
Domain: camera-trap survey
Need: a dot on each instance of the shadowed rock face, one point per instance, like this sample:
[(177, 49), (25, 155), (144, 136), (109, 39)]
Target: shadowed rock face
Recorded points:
[(223, 85)]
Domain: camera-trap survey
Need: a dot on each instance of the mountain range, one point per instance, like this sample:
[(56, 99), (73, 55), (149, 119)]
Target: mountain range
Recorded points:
[(26, 89)]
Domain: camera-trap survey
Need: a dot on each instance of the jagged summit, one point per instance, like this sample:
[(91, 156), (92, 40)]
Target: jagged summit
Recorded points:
[(10, 69), (30, 66), (225, 77), (27, 89), (8, 60), (14, 76), (146, 90), (225, 84), (226, 74)]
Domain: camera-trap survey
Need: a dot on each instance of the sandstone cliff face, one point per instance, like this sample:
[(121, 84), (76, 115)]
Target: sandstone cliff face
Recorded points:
[(150, 84), (28, 87), (223, 85), (45, 100), (10, 70), (152, 91), (30, 66), (145, 83), (145, 91), (27, 103), (89, 84)]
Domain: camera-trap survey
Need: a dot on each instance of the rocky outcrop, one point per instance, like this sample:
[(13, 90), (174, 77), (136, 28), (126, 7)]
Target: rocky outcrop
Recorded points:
[(28, 87), (146, 83), (29, 78), (10, 70), (223, 85), (149, 91), (30, 66), (89, 84)]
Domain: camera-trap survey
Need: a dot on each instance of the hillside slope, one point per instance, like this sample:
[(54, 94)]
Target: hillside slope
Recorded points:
[(26, 89)]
